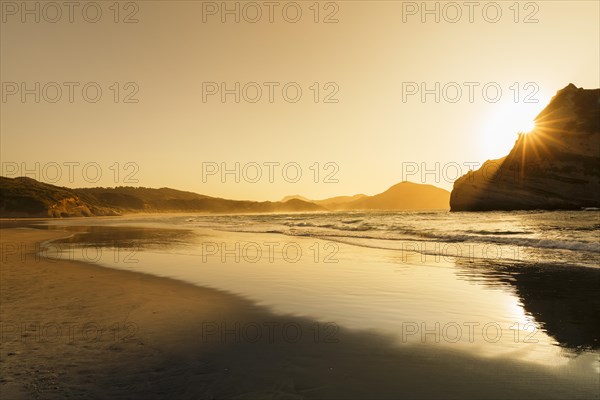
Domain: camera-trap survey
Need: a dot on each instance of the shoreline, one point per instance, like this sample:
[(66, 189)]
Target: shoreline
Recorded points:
[(365, 211), (136, 335)]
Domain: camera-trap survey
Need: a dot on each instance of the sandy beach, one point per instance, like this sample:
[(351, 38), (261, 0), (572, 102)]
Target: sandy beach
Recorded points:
[(76, 330)]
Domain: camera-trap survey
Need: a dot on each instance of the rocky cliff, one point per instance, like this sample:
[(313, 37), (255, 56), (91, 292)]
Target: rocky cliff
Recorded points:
[(555, 166)]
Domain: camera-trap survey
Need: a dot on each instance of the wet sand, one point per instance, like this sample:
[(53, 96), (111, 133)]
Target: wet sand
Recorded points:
[(76, 330)]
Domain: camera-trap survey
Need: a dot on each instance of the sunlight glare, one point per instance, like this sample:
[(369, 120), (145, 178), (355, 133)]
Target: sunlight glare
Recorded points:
[(505, 122)]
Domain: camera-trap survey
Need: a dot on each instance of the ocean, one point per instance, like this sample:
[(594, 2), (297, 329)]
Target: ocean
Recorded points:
[(563, 237)]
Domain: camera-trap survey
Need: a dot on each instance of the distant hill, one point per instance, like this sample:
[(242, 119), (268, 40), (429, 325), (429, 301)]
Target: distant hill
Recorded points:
[(402, 196), (26, 197), (296, 197), (556, 166), (331, 203)]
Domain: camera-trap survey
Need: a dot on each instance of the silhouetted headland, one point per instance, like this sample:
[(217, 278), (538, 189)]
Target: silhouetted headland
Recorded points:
[(556, 166)]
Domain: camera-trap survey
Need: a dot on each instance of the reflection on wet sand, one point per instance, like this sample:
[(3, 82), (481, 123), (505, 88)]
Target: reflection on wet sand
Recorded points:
[(564, 301), (544, 292), (130, 237)]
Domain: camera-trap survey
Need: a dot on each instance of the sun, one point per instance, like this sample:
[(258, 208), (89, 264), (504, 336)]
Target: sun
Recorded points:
[(504, 123), (526, 126)]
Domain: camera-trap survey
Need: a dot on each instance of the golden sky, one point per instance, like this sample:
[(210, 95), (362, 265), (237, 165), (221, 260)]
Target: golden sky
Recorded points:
[(369, 63)]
